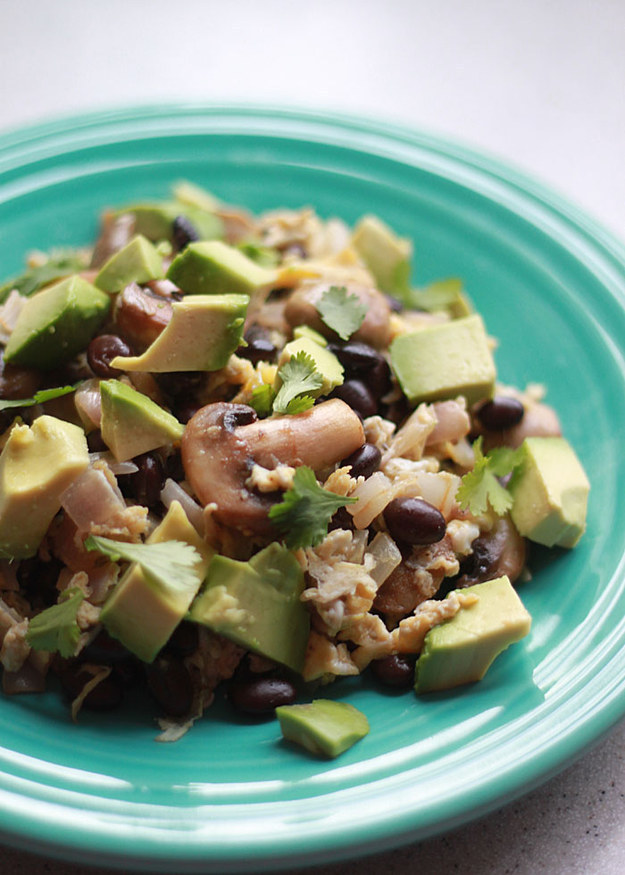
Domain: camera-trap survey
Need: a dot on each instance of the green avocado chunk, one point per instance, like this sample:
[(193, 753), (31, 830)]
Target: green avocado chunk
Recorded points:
[(462, 649), (201, 335), (137, 262), (550, 493), (257, 604), (326, 364), (56, 323), (132, 423), (142, 613), (37, 465), (323, 726), (444, 361), (382, 250), (214, 268)]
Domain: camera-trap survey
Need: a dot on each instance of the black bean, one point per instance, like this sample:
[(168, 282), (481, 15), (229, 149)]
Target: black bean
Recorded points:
[(357, 358), (394, 671), (129, 672), (95, 442), (342, 519), (358, 396), (180, 385), (500, 413), (259, 349), (38, 580), (174, 467), (101, 352), (145, 484), (394, 303), (364, 461), (185, 410), (414, 521), (105, 696), (104, 650), (183, 232), (183, 641), (261, 694), (170, 684)]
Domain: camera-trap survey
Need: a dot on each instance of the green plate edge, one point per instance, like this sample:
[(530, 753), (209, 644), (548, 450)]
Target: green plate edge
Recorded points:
[(501, 738)]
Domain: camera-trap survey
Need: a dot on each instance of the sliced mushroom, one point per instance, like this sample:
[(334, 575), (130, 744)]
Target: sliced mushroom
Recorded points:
[(301, 309), (141, 316), (497, 552), (223, 441)]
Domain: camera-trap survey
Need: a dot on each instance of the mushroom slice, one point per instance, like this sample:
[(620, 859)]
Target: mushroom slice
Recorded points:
[(223, 441)]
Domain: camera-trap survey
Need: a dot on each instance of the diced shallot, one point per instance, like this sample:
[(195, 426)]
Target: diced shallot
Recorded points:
[(92, 498), (387, 557), (373, 495)]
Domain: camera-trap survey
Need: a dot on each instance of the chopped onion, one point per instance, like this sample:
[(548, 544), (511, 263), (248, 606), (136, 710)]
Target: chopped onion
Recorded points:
[(173, 491), (373, 495), (91, 498), (387, 557), (87, 401), (452, 422)]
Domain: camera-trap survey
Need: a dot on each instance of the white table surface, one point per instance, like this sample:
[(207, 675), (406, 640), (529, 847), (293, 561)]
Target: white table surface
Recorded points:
[(539, 83)]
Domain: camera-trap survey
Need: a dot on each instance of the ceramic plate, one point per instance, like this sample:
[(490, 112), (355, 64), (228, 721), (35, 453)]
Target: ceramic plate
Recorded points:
[(551, 287)]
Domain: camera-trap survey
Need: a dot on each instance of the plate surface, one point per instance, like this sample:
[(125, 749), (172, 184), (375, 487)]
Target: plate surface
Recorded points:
[(551, 287)]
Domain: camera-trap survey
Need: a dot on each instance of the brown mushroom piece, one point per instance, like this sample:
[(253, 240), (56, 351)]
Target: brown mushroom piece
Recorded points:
[(223, 441), (115, 232), (495, 553), (140, 316), (301, 309)]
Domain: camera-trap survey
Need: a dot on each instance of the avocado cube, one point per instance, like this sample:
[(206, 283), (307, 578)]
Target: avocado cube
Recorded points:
[(326, 364), (142, 614), (462, 649), (323, 726), (214, 268), (444, 361), (56, 323), (382, 250), (257, 604), (550, 493), (201, 335), (137, 262), (37, 465), (132, 423)]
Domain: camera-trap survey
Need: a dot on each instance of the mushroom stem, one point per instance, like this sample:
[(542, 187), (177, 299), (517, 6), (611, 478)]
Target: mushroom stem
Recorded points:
[(320, 437)]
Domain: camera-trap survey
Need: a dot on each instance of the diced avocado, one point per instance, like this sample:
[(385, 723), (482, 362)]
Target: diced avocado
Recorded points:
[(201, 335), (214, 268), (137, 262), (306, 331), (194, 196), (324, 726), (382, 250), (155, 220), (326, 364), (447, 295), (257, 604), (462, 649), (550, 493), (444, 361), (56, 323), (37, 465), (141, 613), (132, 423)]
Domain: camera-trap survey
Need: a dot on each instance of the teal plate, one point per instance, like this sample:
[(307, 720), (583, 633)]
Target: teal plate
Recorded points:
[(551, 286)]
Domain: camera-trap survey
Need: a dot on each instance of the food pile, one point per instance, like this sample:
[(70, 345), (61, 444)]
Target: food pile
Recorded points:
[(244, 453)]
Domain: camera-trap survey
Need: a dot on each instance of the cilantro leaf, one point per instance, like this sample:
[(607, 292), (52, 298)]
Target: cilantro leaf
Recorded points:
[(341, 312), (480, 487), (299, 377), (59, 264), (39, 397), (300, 404), (262, 399), (170, 565), (306, 510), (56, 628)]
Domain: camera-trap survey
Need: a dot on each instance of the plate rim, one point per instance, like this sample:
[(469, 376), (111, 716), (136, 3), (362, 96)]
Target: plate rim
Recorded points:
[(572, 223)]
